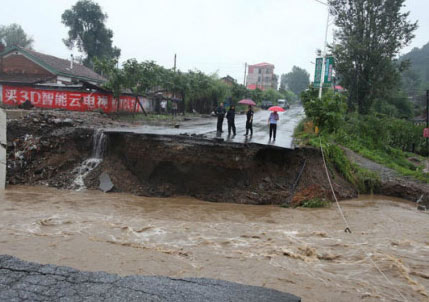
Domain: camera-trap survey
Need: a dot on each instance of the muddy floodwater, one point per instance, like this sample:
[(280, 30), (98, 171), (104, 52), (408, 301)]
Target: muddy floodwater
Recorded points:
[(302, 251)]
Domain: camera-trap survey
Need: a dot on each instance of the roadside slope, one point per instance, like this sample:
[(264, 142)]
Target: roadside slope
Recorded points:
[(392, 183)]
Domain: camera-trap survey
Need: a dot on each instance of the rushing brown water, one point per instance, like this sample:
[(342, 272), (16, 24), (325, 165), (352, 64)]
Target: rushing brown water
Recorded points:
[(301, 251)]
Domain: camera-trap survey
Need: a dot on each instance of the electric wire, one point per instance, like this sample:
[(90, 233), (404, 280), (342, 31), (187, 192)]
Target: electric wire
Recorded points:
[(348, 228)]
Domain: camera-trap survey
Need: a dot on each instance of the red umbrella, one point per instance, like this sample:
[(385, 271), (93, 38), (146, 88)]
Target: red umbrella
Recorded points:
[(276, 108), (247, 102)]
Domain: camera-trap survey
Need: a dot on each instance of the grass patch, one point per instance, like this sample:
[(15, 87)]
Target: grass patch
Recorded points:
[(390, 157), (364, 180), (316, 203)]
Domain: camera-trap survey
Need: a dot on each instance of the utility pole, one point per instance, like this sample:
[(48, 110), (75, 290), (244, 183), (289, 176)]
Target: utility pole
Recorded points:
[(245, 71), (175, 57), (322, 80)]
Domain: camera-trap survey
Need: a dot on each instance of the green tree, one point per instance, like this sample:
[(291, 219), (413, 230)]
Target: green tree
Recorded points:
[(88, 32), (328, 113), (14, 35), (289, 95), (116, 78), (370, 34), (256, 95), (297, 80), (419, 65), (204, 92), (272, 95), (415, 80), (238, 92)]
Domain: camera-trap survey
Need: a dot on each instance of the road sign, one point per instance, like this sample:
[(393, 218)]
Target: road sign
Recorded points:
[(426, 132), (318, 72), (329, 66)]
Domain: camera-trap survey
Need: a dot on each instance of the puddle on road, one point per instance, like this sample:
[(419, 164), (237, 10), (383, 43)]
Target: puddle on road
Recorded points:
[(301, 251)]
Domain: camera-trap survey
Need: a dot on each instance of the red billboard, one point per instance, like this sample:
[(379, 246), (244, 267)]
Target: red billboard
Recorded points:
[(70, 100)]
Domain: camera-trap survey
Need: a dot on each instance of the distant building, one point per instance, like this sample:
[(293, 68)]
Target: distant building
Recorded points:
[(261, 76), (229, 80)]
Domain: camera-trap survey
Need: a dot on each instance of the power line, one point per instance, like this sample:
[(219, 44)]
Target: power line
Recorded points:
[(321, 2)]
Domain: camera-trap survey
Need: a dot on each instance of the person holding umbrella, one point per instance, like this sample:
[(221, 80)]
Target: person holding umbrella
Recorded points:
[(230, 116), (249, 115), (272, 120), (249, 121), (220, 113)]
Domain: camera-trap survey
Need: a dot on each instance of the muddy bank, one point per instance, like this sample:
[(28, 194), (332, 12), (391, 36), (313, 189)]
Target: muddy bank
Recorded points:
[(154, 165), (392, 183), (44, 149), (53, 147)]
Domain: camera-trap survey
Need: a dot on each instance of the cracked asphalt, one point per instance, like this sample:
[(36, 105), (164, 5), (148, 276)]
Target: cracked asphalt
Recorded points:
[(26, 281), (207, 128)]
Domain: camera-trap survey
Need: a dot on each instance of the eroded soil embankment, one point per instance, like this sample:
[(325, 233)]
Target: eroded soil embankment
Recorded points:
[(48, 151), (164, 166)]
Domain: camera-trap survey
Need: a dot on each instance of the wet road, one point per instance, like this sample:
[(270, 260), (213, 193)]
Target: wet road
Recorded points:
[(302, 251), (207, 127)]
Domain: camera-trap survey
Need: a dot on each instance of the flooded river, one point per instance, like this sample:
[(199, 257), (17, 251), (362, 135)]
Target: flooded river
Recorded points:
[(302, 251)]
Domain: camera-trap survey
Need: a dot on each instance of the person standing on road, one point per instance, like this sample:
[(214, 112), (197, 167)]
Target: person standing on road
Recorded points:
[(163, 106), (220, 113), (249, 121), (272, 120), (174, 108), (230, 116)]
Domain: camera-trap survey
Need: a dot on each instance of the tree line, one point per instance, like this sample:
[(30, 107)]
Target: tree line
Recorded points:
[(197, 91)]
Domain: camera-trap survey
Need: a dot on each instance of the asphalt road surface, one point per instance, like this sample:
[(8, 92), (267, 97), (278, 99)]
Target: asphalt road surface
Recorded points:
[(26, 281), (207, 127)]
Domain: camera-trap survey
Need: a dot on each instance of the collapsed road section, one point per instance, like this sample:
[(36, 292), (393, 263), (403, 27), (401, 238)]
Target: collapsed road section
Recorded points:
[(46, 150)]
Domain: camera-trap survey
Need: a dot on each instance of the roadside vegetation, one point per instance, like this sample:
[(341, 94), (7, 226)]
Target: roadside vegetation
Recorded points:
[(393, 142), (375, 116), (316, 203)]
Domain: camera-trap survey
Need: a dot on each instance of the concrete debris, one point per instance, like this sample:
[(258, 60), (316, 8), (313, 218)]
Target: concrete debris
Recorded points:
[(106, 184)]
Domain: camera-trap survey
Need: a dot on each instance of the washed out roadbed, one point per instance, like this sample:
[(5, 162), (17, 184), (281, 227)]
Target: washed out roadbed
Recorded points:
[(49, 147)]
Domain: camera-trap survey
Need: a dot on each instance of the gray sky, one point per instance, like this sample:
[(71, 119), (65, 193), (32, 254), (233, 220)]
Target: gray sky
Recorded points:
[(209, 35)]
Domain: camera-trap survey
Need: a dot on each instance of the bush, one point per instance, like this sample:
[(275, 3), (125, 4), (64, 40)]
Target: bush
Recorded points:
[(327, 113), (316, 203), (381, 132)]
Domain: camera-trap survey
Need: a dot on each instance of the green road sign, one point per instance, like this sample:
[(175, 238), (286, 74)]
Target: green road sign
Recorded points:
[(318, 72), (329, 66)]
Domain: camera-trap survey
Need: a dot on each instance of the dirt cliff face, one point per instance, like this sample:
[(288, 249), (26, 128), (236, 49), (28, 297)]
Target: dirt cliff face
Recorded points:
[(228, 172), (43, 149)]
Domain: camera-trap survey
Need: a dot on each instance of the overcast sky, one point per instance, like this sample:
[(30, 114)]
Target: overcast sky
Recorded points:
[(209, 35)]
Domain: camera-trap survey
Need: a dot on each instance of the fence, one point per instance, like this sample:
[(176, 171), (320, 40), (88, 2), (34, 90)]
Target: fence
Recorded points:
[(75, 100)]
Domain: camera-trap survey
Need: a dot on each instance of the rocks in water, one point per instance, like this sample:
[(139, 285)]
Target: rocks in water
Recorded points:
[(421, 207), (68, 122)]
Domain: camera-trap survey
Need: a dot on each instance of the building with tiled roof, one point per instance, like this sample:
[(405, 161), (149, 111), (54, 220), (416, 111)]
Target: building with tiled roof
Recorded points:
[(20, 65), (261, 76)]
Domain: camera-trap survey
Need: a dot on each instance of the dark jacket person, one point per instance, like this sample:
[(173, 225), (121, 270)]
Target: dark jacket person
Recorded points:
[(230, 116), (220, 113), (249, 121)]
